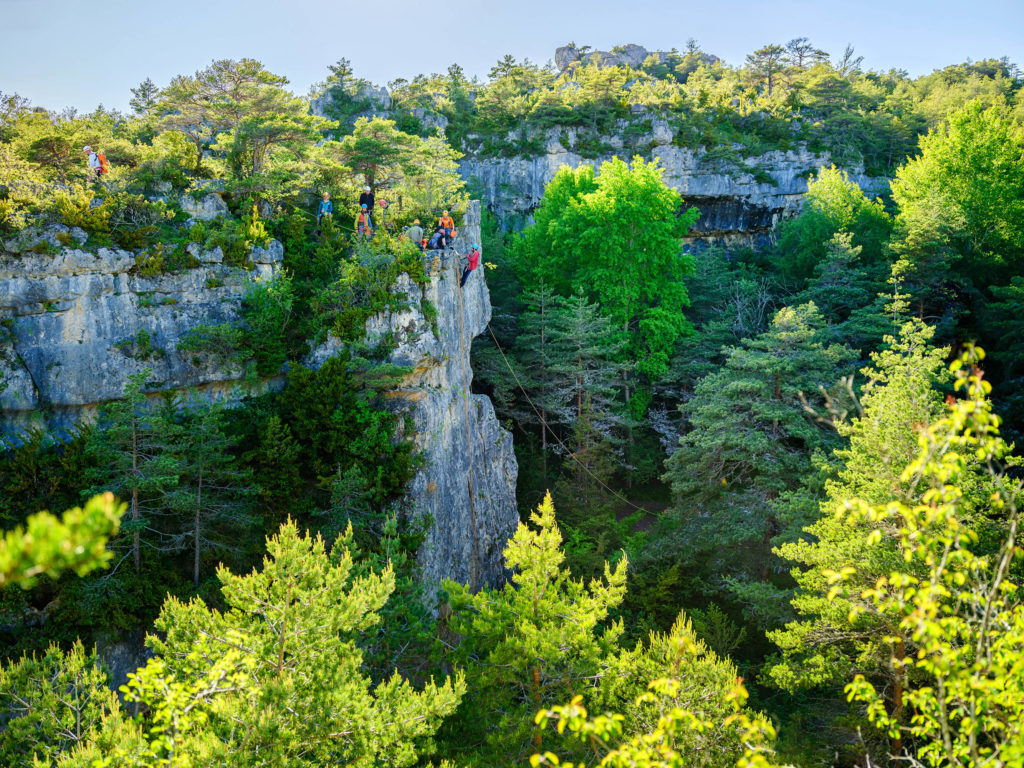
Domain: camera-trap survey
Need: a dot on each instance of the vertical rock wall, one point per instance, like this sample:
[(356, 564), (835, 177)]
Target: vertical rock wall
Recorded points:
[(466, 488)]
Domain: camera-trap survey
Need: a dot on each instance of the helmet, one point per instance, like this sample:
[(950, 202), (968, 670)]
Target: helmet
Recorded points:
[(415, 221), (472, 247), (363, 206)]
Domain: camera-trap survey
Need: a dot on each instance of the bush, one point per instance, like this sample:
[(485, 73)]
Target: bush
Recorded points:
[(364, 286), (74, 207)]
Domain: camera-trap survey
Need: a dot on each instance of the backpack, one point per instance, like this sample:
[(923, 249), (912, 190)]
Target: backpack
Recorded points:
[(104, 166)]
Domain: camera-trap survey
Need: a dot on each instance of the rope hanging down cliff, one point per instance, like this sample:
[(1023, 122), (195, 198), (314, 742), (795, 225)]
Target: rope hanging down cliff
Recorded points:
[(474, 564), (544, 425)]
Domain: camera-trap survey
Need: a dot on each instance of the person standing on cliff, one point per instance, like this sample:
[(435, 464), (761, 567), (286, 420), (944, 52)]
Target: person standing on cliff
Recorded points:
[(366, 201), (448, 223), (415, 233), (326, 209), (472, 262), (94, 162), (363, 225)]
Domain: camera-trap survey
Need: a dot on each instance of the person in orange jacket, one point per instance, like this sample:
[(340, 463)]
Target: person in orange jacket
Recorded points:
[(363, 226), (448, 224)]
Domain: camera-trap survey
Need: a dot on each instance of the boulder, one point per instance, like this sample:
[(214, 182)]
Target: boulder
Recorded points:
[(55, 236), (216, 256), (208, 208), (565, 56), (267, 260)]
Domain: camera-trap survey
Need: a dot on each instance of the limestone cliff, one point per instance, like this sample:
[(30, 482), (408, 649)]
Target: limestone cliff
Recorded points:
[(75, 324), (739, 204), (466, 487)]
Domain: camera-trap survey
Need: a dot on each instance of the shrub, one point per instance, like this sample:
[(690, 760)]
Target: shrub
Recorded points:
[(364, 286), (74, 207)]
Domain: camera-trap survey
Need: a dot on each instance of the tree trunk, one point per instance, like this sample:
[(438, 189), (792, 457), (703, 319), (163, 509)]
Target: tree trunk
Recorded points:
[(136, 551), (536, 704), (199, 504), (897, 698)]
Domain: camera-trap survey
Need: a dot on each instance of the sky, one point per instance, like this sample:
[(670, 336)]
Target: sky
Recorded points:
[(69, 53)]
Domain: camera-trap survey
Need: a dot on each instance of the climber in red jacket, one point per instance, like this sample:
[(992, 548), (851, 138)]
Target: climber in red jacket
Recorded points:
[(472, 262)]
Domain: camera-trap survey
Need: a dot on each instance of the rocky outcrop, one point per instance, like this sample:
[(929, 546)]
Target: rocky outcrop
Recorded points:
[(630, 55), (74, 325), (466, 488), (740, 203)]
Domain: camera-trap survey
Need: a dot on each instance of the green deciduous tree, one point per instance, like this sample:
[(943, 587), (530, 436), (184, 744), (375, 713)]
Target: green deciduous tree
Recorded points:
[(617, 237), (833, 204), (962, 694), (964, 195)]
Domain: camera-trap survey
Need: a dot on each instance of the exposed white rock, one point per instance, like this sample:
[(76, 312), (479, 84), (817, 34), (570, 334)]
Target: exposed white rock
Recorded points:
[(267, 260), (738, 204), (457, 433), (78, 323), (74, 319), (208, 208)]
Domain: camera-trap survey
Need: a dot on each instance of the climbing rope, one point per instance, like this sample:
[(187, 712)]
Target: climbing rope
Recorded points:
[(474, 563), (544, 425)]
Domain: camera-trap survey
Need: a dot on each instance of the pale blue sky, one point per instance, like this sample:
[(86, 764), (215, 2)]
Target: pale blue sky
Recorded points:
[(71, 53)]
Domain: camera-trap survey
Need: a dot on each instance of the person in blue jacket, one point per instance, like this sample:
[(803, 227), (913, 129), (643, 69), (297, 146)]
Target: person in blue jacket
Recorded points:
[(326, 209)]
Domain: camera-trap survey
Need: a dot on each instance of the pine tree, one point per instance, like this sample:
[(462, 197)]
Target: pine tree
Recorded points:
[(587, 361), (144, 97), (276, 677), (535, 355), (128, 450), (51, 704), (749, 439), (212, 495), (541, 639), (835, 637)]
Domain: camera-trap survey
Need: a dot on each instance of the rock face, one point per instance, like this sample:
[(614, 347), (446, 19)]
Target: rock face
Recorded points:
[(209, 207), (739, 205), (78, 323), (74, 325), (466, 488)]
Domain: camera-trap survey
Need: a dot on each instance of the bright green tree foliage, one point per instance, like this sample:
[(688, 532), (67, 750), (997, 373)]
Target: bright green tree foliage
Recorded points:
[(833, 636), (276, 678), (961, 610), (963, 197), (50, 704), (618, 239), (832, 204), (689, 677), (692, 713), (541, 639), (47, 545)]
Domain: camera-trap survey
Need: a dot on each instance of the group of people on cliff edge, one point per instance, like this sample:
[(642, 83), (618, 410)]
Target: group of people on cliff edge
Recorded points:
[(441, 239)]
